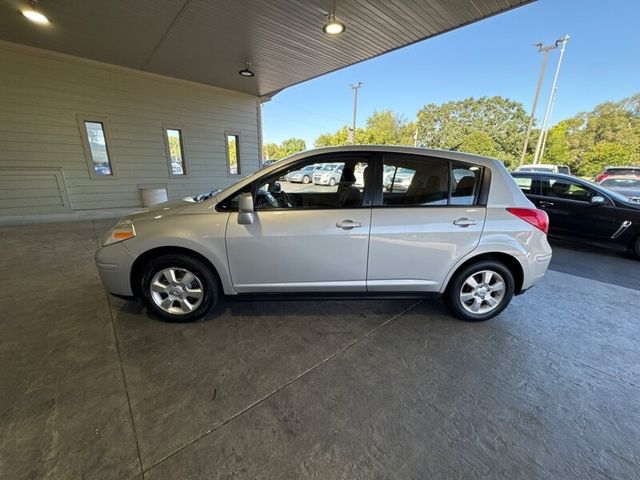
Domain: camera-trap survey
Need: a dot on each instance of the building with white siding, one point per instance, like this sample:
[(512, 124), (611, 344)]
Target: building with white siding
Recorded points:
[(113, 97)]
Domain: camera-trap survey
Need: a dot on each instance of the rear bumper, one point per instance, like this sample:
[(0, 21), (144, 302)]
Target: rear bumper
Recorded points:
[(114, 264), (537, 269)]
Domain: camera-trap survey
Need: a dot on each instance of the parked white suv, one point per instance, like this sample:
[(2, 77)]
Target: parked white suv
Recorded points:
[(461, 230)]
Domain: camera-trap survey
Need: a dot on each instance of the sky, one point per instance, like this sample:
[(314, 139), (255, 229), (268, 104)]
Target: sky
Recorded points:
[(495, 56)]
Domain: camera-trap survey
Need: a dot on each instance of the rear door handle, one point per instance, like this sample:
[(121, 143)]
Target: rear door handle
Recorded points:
[(544, 203), (348, 224), (464, 222)]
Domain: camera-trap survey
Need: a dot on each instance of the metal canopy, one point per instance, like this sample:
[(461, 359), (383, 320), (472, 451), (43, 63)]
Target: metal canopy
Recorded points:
[(208, 41)]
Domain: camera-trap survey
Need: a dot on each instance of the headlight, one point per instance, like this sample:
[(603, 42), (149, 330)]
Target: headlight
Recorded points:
[(123, 230)]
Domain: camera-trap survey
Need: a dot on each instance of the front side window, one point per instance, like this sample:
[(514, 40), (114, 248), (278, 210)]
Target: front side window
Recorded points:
[(98, 151), (566, 189), (335, 184), (232, 143), (175, 152)]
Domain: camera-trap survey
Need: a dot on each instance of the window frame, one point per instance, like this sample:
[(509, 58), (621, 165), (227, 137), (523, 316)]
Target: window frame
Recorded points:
[(165, 130), (370, 157), (82, 120), (480, 198), (232, 133)]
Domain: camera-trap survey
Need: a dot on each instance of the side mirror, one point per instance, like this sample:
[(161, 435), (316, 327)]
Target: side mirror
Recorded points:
[(245, 209), (597, 200)]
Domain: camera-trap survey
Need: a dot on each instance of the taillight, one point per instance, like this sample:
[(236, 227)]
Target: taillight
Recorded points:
[(602, 176), (533, 216)]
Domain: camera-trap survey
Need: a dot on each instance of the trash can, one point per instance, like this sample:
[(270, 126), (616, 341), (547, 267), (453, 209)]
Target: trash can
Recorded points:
[(152, 194)]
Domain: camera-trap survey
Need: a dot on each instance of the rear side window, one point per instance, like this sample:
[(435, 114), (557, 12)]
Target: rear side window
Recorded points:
[(418, 181), (415, 182), (465, 184)]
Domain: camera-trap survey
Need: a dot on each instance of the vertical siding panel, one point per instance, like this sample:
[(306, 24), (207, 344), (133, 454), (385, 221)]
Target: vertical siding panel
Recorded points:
[(43, 93)]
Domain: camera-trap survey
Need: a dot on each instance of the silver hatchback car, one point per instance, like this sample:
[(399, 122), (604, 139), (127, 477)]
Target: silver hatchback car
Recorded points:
[(461, 230)]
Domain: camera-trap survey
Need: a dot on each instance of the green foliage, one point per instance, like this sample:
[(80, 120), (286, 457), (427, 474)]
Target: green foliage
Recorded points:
[(496, 127), (479, 143), (455, 124), (608, 135), (383, 128), (605, 154), (271, 151)]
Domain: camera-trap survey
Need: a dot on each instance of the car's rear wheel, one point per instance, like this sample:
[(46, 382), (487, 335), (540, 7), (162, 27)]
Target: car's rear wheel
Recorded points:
[(178, 288), (306, 179), (480, 291)]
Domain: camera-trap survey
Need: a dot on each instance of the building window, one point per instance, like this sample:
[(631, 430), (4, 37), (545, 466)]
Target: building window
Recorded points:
[(96, 145), (232, 145), (175, 152)]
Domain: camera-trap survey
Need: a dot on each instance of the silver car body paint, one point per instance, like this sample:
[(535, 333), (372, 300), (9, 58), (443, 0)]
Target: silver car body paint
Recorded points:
[(409, 249)]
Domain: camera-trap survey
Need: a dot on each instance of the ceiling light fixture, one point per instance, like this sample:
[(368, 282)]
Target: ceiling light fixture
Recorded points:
[(35, 16), (333, 26), (246, 71)]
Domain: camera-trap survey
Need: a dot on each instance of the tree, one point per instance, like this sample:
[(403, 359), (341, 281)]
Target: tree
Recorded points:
[(589, 141), (291, 146), (605, 154), (271, 151), (479, 143), (383, 128), (446, 126)]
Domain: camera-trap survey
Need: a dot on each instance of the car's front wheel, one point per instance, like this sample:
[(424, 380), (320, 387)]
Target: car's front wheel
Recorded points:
[(332, 182), (480, 291), (306, 179), (178, 288)]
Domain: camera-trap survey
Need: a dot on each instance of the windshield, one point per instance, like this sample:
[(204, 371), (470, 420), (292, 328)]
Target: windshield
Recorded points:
[(621, 182)]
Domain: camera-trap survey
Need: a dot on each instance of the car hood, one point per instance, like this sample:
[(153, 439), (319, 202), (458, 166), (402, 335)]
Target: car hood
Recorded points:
[(161, 210)]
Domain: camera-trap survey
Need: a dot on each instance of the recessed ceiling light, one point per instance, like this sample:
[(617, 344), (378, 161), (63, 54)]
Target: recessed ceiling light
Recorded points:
[(333, 26), (246, 71), (35, 16)]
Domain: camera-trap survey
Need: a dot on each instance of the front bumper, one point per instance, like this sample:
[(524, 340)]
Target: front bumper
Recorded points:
[(114, 264)]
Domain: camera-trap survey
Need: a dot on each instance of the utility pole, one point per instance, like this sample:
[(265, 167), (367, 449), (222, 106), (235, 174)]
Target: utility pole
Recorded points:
[(532, 118), (537, 157), (355, 88)]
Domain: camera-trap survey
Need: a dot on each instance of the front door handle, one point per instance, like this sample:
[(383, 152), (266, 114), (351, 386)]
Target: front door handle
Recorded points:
[(464, 222), (348, 224), (544, 203)]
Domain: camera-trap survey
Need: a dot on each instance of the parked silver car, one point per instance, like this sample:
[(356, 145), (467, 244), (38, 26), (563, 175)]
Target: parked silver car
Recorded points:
[(328, 174), (304, 175), (462, 230)]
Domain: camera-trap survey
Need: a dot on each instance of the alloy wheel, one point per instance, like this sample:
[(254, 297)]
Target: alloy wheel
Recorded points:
[(482, 292), (176, 290)]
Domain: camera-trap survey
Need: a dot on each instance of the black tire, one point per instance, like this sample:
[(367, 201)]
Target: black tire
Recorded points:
[(306, 179), (452, 297), (210, 287)]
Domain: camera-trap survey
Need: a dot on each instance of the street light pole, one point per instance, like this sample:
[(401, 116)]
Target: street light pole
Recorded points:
[(355, 88), (537, 157), (532, 118)]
